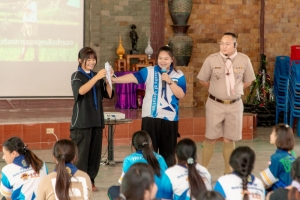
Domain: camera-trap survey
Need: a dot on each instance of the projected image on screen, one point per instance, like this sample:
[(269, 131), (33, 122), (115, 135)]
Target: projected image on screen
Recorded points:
[(37, 34), (40, 30)]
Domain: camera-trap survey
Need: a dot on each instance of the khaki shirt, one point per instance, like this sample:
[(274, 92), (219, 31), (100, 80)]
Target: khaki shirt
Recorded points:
[(213, 71), (80, 188)]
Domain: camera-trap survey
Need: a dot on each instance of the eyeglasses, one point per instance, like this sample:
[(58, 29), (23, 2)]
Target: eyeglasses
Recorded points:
[(225, 44)]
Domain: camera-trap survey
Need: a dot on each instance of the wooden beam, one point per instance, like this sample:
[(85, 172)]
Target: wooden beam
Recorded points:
[(262, 27)]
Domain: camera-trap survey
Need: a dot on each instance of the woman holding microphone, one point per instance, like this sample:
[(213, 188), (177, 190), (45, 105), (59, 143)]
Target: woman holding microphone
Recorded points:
[(164, 87)]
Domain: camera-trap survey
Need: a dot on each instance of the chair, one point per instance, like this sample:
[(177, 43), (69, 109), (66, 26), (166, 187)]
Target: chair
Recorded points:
[(120, 65), (137, 67), (282, 65), (295, 52), (134, 56), (294, 94), (142, 64), (151, 62), (281, 86)]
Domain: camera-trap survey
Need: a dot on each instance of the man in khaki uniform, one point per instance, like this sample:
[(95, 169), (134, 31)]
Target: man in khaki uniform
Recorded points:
[(225, 74)]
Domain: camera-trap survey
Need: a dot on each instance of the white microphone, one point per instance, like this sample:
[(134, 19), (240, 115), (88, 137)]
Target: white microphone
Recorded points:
[(163, 70)]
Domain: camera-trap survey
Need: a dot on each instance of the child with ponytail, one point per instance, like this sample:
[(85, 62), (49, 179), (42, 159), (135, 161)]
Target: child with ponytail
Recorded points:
[(142, 144), (241, 184), (187, 179), (23, 172), (66, 182)]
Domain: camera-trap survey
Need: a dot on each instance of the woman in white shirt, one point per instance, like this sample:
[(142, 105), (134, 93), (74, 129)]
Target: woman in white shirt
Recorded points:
[(188, 179)]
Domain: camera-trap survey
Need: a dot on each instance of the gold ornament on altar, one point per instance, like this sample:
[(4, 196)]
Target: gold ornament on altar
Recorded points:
[(120, 50)]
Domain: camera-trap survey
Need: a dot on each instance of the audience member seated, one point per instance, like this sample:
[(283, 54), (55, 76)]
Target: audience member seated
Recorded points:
[(211, 195), (278, 173), (291, 192), (241, 184), (23, 172), (187, 179), (138, 183), (66, 182), (142, 143)]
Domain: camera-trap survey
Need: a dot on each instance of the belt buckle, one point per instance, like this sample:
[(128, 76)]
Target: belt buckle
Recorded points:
[(227, 101)]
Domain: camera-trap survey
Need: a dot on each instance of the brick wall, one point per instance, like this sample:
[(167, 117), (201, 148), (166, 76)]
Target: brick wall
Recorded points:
[(116, 18), (209, 20), (281, 29), (187, 101), (105, 20)]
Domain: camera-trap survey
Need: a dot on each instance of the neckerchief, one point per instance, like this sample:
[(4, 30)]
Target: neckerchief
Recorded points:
[(71, 169), (164, 90), (94, 88), (230, 82), (20, 161), (296, 184)]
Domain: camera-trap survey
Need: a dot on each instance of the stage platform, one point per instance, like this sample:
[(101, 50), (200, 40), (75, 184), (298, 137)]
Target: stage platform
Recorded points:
[(30, 125)]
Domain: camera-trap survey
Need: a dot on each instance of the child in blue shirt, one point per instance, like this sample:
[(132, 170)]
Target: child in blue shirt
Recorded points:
[(277, 175), (142, 143)]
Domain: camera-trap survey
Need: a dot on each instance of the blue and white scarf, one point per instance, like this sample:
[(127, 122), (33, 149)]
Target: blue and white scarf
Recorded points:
[(164, 90), (71, 169)]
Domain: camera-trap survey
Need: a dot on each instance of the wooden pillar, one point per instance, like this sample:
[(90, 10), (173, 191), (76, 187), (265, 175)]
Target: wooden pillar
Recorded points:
[(157, 25), (262, 27)]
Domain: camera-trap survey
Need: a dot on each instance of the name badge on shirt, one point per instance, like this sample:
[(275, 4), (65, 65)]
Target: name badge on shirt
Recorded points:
[(236, 69)]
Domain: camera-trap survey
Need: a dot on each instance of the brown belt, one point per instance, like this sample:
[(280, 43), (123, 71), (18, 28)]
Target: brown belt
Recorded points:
[(223, 101)]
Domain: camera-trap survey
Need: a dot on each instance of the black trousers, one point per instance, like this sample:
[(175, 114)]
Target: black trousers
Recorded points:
[(163, 134), (89, 143)]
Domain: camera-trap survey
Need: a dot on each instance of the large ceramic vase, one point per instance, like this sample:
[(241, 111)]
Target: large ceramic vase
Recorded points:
[(180, 11), (181, 43)]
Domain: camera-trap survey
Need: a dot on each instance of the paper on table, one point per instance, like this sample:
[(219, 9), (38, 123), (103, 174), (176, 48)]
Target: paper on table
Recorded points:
[(107, 68)]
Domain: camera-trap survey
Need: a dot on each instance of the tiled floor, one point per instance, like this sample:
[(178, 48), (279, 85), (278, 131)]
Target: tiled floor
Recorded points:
[(108, 175)]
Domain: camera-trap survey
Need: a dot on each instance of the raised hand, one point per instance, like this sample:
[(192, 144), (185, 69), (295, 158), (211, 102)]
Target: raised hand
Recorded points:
[(101, 74)]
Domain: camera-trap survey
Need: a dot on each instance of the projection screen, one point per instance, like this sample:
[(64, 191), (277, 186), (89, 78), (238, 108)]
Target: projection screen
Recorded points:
[(39, 43)]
